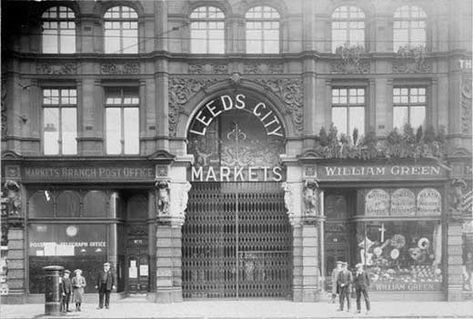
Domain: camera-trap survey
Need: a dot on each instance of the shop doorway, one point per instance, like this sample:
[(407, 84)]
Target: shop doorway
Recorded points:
[(236, 242), (137, 266)]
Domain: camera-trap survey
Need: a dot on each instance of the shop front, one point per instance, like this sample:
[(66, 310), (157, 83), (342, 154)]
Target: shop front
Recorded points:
[(80, 214), (391, 218)]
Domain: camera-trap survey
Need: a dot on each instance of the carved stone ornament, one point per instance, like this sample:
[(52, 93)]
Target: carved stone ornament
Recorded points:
[(466, 105), (290, 92), (458, 196), (180, 91), (208, 68), (263, 68), (4, 93), (411, 60), (310, 197), (12, 198), (57, 69), (120, 68), (162, 197), (182, 200), (292, 201)]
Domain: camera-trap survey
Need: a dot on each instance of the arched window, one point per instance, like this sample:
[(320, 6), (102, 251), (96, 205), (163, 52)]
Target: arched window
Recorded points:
[(348, 27), (409, 29), (68, 204), (262, 30), (95, 204), (121, 30), (58, 30), (40, 204), (207, 30)]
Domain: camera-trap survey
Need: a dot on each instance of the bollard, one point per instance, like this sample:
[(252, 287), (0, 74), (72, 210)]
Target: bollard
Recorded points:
[(52, 295)]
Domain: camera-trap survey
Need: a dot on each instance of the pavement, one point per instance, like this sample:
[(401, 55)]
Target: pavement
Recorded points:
[(273, 309)]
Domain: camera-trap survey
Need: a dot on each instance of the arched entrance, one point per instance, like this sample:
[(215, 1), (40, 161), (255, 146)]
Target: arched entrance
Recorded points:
[(236, 239)]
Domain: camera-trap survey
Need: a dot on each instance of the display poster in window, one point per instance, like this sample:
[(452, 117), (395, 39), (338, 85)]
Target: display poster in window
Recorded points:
[(144, 270), (132, 272), (377, 203), (429, 202), (403, 202)]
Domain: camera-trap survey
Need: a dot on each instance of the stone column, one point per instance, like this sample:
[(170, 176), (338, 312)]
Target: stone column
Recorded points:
[(310, 104), (171, 203)]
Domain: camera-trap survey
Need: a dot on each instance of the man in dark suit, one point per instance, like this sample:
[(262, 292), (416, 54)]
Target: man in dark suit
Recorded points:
[(106, 282), (65, 287), (361, 282), (344, 281)]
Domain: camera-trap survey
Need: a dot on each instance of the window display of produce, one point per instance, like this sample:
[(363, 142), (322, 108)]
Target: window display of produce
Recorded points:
[(402, 255)]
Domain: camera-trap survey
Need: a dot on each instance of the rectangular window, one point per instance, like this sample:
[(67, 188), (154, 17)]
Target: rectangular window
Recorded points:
[(59, 121), (122, 121), (409, 106), (348, 110)]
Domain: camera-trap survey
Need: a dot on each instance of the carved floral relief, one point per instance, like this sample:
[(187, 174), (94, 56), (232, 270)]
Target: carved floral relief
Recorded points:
[(57, 69)]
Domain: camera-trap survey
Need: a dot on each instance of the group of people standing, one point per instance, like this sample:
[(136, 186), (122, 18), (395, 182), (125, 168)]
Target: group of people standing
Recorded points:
[(343, 281), (74, 287)]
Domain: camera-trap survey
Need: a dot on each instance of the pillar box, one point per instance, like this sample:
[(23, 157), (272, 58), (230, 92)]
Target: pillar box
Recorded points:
[(52, 295)]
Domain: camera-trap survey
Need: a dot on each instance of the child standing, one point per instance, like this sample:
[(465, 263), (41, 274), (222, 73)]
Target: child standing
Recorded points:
[(78, 284)]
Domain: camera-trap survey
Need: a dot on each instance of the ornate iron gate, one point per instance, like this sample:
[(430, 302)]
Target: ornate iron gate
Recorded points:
[(236, 242)]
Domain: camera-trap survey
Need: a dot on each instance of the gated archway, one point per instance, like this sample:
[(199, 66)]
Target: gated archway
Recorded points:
[(236, 239)]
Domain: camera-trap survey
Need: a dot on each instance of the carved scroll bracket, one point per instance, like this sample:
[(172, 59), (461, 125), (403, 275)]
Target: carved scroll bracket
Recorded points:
[(178, 199)]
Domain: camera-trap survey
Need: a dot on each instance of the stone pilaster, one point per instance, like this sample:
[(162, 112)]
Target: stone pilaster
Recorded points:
[(171, 203), (454, 261)]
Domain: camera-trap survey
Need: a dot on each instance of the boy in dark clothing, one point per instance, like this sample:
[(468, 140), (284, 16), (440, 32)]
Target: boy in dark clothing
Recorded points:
[(361, 282), (66, 290)]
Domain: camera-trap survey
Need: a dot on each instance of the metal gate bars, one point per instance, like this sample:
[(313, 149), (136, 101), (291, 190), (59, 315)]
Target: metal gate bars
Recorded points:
[(236, 242)]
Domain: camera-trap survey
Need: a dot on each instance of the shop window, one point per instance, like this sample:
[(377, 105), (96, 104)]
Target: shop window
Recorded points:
[(40, 204), (58, 30), (137, 207), (401, 255), (348, 110), (262, 30), (59, 121), (409, 29), (95, 204), (207, 30), (122, 121), (121, 30), (68, 204), (409, 106), (74, 246), (348, 27)]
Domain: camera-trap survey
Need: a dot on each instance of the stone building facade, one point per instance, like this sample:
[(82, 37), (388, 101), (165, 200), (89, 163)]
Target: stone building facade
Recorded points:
[(238, 148)]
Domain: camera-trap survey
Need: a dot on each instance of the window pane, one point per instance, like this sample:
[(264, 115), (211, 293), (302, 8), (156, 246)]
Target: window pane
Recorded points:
[(130, 41), (198, 41), (400, 116), (401, 38), (271, 44), (51, 131), (357, 120), (216, 43), (417, 117), (112, 41), (113, 126), (50, 41), (131, 128), (68, 41), (253, 41), (339, 37), (339, 119), (69, 131)]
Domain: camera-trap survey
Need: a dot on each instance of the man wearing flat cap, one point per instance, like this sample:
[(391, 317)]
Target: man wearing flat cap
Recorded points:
[(106, 282), (335, 288), (344, 281), (361, 283)]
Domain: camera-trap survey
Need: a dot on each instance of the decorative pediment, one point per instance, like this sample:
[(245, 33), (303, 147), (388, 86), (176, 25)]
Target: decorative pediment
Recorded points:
[(161, 155), (10, 155)]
